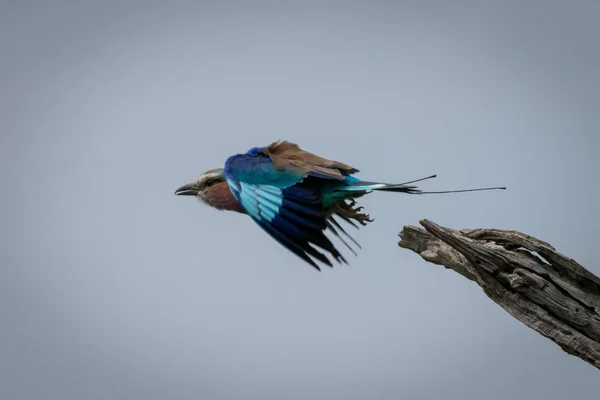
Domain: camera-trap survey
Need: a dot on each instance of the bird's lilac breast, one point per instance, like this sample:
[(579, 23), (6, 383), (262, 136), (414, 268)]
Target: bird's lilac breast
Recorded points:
[(220, 197)]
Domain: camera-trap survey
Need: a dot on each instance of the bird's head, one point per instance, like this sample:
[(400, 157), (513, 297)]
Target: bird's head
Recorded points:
[(202, 185)]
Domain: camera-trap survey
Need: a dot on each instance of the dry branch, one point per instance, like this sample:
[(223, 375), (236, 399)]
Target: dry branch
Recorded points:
[(547, 291)]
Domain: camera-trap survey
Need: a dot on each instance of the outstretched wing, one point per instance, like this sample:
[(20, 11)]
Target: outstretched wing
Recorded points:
[(280, 187)]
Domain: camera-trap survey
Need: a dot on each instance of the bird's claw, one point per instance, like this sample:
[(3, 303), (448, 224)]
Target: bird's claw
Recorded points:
[(352, 211)]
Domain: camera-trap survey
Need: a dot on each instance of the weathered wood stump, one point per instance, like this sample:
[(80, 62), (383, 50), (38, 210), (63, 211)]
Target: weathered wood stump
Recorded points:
[(534, 283)]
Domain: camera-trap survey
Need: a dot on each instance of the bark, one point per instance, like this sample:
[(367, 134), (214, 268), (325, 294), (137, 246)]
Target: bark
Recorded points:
[(547, 291)]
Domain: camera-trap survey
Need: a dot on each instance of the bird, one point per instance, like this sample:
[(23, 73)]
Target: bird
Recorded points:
[(296, 197)]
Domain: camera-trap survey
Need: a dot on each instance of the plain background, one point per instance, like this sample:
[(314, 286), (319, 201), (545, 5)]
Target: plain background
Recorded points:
[(113, 288)]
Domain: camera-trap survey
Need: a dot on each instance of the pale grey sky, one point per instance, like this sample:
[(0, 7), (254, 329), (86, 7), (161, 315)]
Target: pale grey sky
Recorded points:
[(113, 288)]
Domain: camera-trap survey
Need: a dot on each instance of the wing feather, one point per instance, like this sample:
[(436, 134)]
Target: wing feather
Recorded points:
[(287, 202), (286, 155)]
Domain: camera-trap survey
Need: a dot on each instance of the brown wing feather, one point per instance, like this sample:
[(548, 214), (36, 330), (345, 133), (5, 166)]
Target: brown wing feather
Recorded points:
[(288, 155)]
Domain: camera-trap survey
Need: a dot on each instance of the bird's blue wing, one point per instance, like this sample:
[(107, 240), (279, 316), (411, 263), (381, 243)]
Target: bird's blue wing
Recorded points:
[(284, 203)]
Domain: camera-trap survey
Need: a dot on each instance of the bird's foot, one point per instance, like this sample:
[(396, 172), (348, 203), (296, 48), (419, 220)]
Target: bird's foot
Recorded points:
[(354, 212)]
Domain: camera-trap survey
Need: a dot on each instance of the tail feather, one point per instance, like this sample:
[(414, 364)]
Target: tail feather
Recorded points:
[(364, 186), (383, 187), (399, 188)]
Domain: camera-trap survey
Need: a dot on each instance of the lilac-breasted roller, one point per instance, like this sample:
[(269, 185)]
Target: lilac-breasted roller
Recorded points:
[(294, 196)]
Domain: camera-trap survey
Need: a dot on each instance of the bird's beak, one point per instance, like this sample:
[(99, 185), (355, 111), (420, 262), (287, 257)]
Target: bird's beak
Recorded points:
[(187, 190)]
